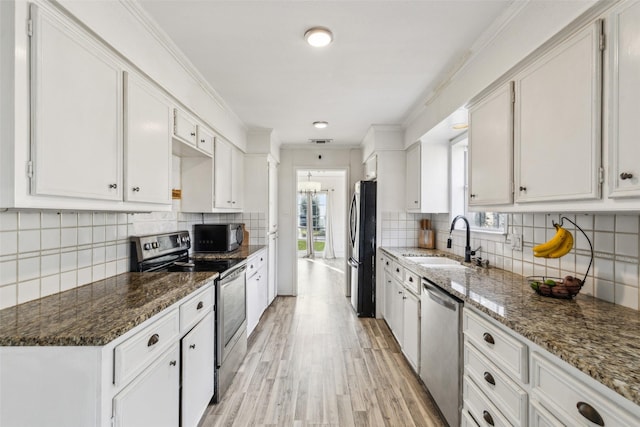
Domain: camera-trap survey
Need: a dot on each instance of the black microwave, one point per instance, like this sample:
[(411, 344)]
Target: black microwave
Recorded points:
[(217, 237)]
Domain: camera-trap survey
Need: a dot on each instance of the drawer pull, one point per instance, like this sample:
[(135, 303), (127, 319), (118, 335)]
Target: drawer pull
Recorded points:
[(488, 338), (192, 346), (173, 363), (411, 279), (153, 340), (200, 305), (489, 378), (488, 418), (590, 413), (397, 270)]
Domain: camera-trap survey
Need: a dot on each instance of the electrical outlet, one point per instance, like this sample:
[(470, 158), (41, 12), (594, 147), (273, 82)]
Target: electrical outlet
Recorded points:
[(516, 242)]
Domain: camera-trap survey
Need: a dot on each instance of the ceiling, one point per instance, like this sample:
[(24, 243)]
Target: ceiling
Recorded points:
[(385, 58)]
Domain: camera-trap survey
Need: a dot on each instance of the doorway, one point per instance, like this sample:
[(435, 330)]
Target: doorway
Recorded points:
[(321, 221)]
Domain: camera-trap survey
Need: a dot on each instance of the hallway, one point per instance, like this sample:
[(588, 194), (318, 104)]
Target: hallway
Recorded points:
[(311, 361)]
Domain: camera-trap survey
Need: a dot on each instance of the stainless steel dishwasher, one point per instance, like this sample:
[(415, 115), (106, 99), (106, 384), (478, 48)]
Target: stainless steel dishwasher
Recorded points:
[(441, 350)]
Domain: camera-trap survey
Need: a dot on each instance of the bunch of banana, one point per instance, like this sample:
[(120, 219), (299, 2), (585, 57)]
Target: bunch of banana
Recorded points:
[(558, 246)]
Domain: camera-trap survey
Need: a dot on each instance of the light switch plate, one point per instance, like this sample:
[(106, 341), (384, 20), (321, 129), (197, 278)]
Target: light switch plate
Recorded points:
[(516, 242)]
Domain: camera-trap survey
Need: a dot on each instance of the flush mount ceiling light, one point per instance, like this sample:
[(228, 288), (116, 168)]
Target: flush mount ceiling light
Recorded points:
[(320, 125), (460, 119), (318, 36)]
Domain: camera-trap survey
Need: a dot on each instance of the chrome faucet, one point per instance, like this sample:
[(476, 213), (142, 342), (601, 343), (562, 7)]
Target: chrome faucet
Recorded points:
[(467, 249)]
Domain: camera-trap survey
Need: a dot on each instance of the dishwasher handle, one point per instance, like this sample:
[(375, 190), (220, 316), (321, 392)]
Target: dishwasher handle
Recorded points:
[(440, 297)]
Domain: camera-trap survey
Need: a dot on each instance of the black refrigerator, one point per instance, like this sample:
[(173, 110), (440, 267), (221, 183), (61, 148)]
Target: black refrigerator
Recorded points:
[(362, 238)]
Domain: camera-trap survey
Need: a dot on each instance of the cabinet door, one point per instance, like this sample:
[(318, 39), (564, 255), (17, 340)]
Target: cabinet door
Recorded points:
[(388, 297), (263, 290), (253, 304), (206, 140), (397, 308), (272, 257), (184, 127), (147, 143), (197, 371), (237, 178), (557, 122), (411, 328), (76, 113), (625, 150), (491, 149), (222, 172), (272, 223), (152, 398), (413, 178)]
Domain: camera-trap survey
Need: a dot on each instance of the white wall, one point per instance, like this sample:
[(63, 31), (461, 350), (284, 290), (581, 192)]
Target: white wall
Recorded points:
[(292, 159)]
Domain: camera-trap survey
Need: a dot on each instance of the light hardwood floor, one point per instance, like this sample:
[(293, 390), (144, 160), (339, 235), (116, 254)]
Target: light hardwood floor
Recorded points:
[(312, 362)]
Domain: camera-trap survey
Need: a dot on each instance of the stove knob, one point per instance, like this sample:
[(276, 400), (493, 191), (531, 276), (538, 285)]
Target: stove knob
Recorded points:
[(154, 245), (146, 246)]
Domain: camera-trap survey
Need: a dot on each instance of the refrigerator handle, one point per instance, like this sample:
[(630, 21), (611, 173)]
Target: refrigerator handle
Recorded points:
[(352, 219), (353, 263)]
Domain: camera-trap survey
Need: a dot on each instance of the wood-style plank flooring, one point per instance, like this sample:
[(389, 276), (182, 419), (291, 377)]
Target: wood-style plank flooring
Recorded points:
[(312, 362)]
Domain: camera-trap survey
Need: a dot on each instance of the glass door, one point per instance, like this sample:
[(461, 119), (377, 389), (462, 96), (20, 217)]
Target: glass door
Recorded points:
[(312, 220)]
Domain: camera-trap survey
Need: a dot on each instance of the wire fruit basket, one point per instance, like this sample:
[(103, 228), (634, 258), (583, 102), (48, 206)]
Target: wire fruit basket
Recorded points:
[(563, 288)]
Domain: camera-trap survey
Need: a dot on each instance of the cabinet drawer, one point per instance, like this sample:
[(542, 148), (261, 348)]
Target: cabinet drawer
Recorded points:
[(184, 127), (387, 264), (504, 350), (540, 417), (510, 399), (481, 409), (397, 270), (568, 398), (206, 140), (196, 308), (412, 281), (466, 420), (137, 352)]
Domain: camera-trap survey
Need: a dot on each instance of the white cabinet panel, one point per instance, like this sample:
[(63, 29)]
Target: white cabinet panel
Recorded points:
[(427, 177), (184, 127), (147, 143), (206, 139), (413, 178), (557, 122), (222, 171), (76, 89), (625, 67), (152, 399), (411, 328), (197, 371), (491, 149), (237, 178)]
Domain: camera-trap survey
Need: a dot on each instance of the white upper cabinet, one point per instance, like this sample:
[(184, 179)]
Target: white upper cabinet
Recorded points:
[(427, 177), (147, 143), (625, 69), (491, 148), (184, 127), (229, 176), (206, 139), (76, 112), (558, 122)]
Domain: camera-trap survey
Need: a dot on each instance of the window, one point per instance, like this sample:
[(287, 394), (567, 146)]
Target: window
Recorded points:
[(479, 221)]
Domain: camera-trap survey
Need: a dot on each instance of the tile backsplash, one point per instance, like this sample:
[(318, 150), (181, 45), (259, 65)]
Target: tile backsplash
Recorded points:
[(42, 253), (401, 228), (614, 275)]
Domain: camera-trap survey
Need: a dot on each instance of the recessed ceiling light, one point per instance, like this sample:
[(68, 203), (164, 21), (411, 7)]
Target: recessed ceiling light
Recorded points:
[(320, 125), (318, 36)]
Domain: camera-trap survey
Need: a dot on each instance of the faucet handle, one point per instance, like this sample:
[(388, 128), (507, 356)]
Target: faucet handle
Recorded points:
[(478, 249), (449, 243)]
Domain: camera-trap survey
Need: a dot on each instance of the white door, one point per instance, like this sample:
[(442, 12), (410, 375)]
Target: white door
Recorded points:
[(152, 398), (197, 371), (76, 90), (147, 143)]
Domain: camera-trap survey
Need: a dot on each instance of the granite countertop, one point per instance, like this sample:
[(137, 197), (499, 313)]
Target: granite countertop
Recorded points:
[(599, 338), (243, 252), (97, 313)]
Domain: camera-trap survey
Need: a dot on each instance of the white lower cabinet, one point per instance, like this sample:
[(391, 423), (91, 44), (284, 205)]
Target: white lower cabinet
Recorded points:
[(152, 398), (257, 289), (402, 309), (197, 371), (551, 393)]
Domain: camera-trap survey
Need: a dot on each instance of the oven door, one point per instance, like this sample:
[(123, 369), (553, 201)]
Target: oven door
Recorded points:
[(231, 312)]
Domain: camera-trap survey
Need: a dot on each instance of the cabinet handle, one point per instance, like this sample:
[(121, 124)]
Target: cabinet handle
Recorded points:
[(488, 338), (113, 185), (473, 196), (488, 418), (489, 378), (626, 175), (261, 259), (233, 203), (523, 188), (153, 340), (173, 363), (202, 140), (228, 201), (411, 279), (400, 292), (193, 134), (404, 297), (200, 305), (415, 202), (397, 270), (136, 189), (192, 346), (590, 413)]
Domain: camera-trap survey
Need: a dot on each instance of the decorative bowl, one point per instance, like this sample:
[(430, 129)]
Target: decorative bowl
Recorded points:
[(555, 287)]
